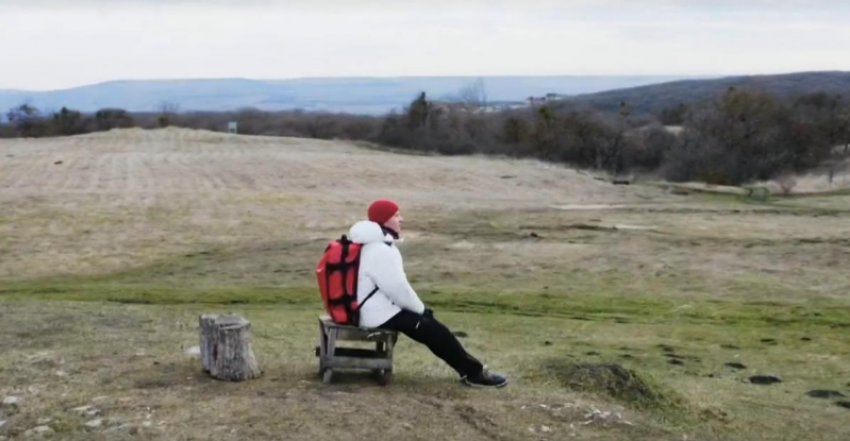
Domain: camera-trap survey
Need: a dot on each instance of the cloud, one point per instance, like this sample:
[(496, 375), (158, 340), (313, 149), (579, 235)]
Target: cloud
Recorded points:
[(691, 6), (89, 41)]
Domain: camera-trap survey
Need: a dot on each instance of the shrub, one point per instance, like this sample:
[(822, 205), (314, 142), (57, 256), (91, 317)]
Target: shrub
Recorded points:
[(27, 121), (108, 119), (68, 122)]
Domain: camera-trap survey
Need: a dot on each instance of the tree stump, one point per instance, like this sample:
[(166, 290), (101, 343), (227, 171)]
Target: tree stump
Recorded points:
[(207, 325), (226, 348)]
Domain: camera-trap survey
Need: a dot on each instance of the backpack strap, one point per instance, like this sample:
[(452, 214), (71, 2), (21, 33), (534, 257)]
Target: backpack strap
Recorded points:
[(356, 314), (369, 297), (343, 268)]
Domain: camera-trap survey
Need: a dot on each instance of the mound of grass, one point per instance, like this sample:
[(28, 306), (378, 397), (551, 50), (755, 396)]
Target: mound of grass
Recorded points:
[(613, 381)]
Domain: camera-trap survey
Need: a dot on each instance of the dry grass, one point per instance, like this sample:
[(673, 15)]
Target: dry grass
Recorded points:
[(131, 197), (813, 183), (541, 265), (818, 182), (129, 363)]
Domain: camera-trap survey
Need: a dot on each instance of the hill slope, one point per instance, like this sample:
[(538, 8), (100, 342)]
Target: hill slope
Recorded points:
[(549, 273), (288, 182), (653, 98)]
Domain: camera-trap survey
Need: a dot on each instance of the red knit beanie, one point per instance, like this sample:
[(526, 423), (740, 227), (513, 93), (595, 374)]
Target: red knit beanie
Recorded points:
[(382, 210)]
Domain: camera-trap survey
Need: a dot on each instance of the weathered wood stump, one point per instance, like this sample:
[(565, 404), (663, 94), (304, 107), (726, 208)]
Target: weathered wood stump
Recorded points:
[(226, 347), (207, 325)]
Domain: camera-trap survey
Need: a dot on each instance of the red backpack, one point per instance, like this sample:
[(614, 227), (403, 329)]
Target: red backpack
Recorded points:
[(337, 274)]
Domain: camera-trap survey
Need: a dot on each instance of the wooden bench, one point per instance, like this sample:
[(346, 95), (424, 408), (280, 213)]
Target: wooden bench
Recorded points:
[(379, 360)]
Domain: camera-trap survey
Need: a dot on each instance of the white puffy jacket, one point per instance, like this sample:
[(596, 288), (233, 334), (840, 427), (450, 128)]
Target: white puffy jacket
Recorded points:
[(381, 265)]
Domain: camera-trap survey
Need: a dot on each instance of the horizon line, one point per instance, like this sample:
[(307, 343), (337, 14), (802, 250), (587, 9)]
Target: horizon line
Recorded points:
[(390, 77)]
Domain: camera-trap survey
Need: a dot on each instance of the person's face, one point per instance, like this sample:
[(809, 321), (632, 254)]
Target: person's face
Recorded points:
[(394, 223)]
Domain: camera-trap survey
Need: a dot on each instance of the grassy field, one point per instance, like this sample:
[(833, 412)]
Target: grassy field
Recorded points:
[(112, 244)]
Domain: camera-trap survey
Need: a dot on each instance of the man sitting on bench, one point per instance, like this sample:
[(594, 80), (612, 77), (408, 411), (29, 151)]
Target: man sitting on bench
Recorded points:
[(395, 305)]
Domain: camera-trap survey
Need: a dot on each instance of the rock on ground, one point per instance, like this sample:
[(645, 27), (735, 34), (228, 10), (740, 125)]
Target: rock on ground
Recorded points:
[(40, 431), (83, 409), (94, 424)]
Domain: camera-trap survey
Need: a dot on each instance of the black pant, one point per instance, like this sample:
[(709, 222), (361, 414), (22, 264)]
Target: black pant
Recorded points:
[(438, 338)]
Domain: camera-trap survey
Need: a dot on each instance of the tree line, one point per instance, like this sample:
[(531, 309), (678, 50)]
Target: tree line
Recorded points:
[(738, 137)]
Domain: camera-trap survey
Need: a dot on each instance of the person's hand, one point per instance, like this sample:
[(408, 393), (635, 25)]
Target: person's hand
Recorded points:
[(428, 313)]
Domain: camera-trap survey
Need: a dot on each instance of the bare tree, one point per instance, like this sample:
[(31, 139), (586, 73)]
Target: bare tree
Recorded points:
[(108, 119), (167, 113), (473, 96)]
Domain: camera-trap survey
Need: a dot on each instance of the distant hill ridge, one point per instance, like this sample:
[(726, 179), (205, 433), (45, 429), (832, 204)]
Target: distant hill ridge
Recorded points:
[(353, 94), (653, 98), (379, 95)]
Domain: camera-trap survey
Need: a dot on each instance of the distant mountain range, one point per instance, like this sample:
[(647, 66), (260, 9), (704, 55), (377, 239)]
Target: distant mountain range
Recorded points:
[(653, 98), (352, 95), (380, 95)]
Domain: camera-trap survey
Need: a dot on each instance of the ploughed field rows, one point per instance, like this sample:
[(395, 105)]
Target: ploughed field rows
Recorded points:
[(136, 164), (99, 202), (198, 208)]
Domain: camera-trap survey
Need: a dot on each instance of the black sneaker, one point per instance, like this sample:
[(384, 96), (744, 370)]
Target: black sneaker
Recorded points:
[(485, 379)]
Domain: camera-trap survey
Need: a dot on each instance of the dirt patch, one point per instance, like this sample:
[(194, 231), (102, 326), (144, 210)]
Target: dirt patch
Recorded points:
[(667, 348), (706, 188), (157, 383), (570, 207), (825, 394), (611, 380), (765, 380), (479, 422), (38, 333), (123, 321)]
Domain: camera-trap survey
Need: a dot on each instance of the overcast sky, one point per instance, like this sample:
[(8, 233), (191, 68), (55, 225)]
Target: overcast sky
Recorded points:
[(50, 44)]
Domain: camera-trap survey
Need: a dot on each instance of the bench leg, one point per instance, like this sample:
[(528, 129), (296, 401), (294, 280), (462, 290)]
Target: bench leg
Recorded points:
[(326, 350), (390, 345), (384, 376), (323, 348), (330, 351)]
